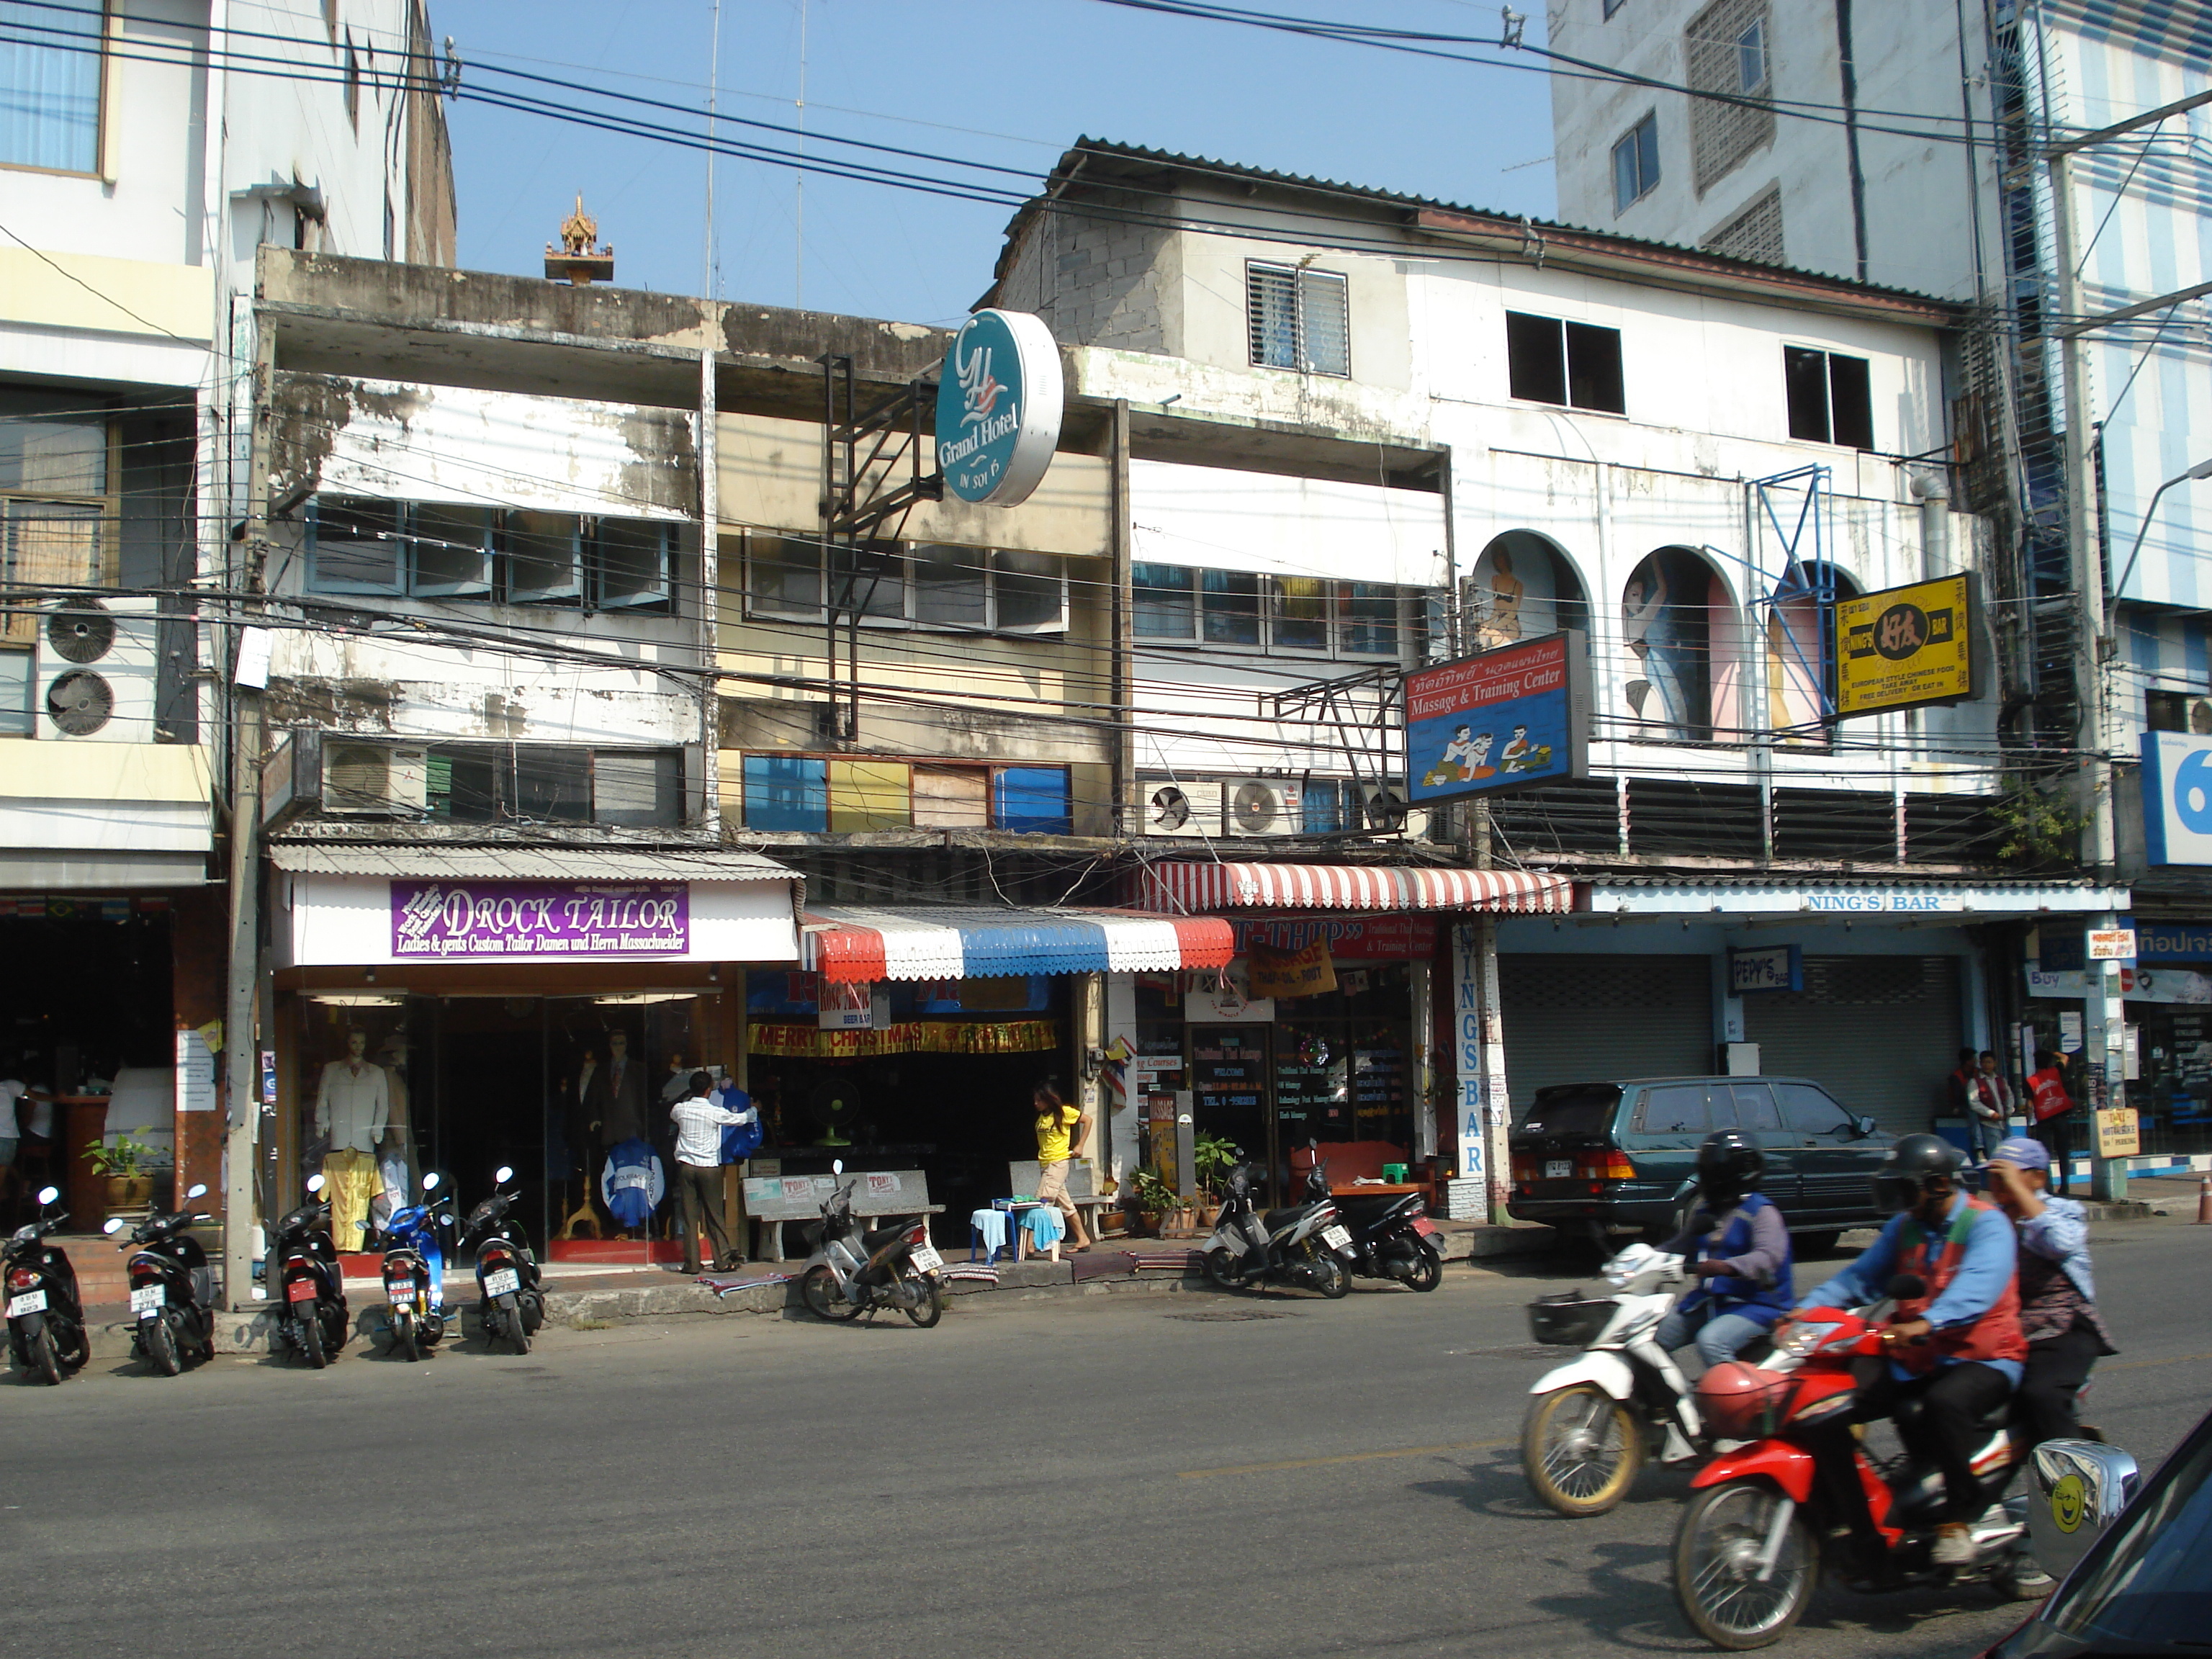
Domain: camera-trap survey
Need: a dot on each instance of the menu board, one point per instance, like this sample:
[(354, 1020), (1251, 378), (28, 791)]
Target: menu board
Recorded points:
[(1229, 1082), (1378, 1083), (1311, 1091)]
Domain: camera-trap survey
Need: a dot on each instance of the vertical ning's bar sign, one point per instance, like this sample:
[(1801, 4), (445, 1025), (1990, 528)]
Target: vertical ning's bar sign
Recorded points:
[(1467, 1045)]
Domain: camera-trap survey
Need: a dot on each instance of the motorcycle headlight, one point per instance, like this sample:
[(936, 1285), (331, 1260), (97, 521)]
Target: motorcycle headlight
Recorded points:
[(1800, 1339)]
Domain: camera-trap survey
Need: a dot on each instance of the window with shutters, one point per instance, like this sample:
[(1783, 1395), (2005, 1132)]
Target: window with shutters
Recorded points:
[(1831, 399), (1298, 318), (1754, 233), (1726, 49)]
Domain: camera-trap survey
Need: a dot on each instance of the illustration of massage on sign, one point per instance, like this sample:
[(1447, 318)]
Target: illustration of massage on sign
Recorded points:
[(1465, 757)]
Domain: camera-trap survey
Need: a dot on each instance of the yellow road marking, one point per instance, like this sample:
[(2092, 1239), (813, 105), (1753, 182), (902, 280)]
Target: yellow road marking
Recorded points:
[(1347, 1457)]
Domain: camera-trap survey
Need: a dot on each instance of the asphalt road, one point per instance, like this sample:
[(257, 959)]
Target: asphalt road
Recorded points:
[(1190, 1476)]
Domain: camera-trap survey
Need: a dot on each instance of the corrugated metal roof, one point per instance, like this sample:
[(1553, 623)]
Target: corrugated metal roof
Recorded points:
[(527, 863)]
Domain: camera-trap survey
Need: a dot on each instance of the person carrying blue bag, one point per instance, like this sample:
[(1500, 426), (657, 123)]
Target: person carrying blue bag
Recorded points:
[(703, 1130), (1738, 1245)]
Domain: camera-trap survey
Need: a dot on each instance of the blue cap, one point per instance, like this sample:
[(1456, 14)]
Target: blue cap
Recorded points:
[(2022, 1154)]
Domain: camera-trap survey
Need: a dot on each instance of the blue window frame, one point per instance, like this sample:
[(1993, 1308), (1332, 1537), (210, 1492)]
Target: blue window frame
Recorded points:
[(50, 64), (786, 791), (1033, 800)]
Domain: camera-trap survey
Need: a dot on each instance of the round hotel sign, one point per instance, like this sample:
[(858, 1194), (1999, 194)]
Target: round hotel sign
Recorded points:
[(999, 407)]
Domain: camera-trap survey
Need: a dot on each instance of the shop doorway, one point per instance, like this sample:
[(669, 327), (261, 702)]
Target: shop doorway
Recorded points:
[(1229, 1095)]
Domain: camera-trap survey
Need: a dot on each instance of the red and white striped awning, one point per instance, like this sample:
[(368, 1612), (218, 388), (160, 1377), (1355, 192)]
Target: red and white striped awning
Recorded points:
[(864, 944), (1194, 885)]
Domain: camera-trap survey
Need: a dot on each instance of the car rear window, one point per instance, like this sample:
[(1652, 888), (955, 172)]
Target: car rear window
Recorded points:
[(1571, 1109), (1677, 1109)]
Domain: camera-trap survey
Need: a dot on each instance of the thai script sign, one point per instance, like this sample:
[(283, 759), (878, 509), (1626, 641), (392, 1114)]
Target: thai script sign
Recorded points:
[(454, 921), (1904, 647), (1500, 721), (1350, 938)]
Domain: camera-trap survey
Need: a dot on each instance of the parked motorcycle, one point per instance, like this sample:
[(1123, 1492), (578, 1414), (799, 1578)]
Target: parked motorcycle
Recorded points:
[(1392, 1237), (1304, 1244), (510, 1305), (313, 1315), (415, 1270), (1748, 1550), (1585, 1433), (172, 1287), (45, 1317), (852, 1271)]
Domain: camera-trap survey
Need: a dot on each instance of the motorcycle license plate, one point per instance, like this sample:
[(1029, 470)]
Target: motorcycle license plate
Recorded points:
[(402, 1297), (1559, 1168), (1426, 1227), (30, 1302), (148, 1299), (504, 1282), (925, 1259), (300, 1290), (1334, 1236)]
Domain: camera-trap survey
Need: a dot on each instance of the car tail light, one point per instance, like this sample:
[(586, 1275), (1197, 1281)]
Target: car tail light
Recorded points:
[(1602, 1167), (1524, 1171)]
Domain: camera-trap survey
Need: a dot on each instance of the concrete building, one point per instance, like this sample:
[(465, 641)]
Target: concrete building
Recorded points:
[(149, 148)]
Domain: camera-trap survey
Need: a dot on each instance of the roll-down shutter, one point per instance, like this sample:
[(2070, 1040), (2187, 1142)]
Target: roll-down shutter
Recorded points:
[(1581, 1019), (1878, 1033)]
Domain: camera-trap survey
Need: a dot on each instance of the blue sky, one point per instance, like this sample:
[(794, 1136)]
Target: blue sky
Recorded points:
[(1009, 82)]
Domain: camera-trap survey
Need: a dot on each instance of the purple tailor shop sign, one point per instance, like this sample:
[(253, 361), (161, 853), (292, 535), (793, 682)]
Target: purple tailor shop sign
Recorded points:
[(457, 921)]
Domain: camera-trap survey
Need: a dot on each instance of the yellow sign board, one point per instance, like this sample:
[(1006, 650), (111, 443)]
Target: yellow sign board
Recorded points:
[(1905, 645), (2118, 1135)]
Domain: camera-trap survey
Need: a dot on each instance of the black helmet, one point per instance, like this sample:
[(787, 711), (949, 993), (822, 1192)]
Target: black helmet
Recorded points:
[(1730, 1164), (1911, 1164)]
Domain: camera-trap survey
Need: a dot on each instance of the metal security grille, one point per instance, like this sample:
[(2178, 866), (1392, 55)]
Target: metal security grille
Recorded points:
[(1298, 319), (1755, 233), (1726, 45), (1585, 1019), (1880, 1033)]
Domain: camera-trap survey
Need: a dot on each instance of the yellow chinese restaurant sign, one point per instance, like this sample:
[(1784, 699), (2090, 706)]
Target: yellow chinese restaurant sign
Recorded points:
[(1907, 645)]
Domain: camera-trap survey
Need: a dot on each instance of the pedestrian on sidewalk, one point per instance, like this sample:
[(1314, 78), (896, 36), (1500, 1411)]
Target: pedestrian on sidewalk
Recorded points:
[(1958, 1087), (2066, 1334), (2049, 1104), (1060, 1129), (1989, 1099), (699, 1124)]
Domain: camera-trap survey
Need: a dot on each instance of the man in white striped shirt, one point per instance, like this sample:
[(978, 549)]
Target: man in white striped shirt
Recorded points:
[(699, 1125)]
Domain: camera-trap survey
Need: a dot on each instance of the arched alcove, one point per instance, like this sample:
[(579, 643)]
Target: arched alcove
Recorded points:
[(1681, 674), (1524, 587), (1800, 668)]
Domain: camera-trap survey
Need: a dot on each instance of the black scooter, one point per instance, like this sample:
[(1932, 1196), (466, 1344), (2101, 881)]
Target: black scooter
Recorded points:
[(510, 1305), (1392, 1237), (1304, 1244), (313, 1317), (172, 1288), (46, 1319)]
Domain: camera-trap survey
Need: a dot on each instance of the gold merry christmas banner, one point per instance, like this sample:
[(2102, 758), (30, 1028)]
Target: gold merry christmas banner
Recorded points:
[(915, 1036)]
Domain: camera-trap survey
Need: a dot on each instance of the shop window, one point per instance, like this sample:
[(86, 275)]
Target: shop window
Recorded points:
[(1636, 164), (1229, 607), (545, 557), (51, 117), (785, 576), (1034, 800), (453, 549), (642, 787), (1548, 361), (1164, 601), (1298, 318), (633, 563), (552, 783), (952, 797), (1831, 401), (920, 584), (870, 795), (786, 791), (1176, 604)]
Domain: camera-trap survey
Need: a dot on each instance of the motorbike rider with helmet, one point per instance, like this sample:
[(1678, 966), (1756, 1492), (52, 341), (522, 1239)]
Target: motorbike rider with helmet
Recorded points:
[(1957, 1348), (1738, 1245)]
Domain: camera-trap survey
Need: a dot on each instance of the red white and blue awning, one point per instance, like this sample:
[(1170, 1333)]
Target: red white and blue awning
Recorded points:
[(853, 944), (1200, 885)]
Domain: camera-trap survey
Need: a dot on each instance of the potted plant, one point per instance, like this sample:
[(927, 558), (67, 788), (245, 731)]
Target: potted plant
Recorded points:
[(1213, 1157), (1150, 1198), (122, 1160)]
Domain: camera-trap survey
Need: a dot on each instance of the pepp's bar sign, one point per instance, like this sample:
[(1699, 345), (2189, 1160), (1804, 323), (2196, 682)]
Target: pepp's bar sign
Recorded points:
[(441, 920)]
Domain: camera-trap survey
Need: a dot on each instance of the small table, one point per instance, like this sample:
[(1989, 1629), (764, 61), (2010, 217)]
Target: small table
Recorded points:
[(1375, 1188)]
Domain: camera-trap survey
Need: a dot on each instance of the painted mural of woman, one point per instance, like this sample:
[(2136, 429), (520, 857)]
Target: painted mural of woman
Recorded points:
[(1662, 620)]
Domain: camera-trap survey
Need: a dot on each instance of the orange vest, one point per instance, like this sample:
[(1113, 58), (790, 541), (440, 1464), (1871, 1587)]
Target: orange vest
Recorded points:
[(1995, 1335)]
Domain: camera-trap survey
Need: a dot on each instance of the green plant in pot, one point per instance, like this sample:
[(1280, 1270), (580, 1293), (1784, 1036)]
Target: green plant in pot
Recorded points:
[(1151, 1197), (1213, 1158), (123, 1161)]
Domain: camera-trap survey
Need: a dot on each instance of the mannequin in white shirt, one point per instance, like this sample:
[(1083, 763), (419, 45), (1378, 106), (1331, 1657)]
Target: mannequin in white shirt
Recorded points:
[(352, 1108)]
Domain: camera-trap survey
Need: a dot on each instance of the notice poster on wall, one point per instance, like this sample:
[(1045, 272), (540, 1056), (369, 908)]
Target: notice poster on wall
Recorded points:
[(1500, 721)]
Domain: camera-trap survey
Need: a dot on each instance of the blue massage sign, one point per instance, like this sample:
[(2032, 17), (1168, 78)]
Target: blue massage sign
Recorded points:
[(999, 403)]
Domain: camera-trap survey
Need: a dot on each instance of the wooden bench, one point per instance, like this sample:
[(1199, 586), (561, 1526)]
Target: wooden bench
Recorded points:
[(771, 1200), (1021, 1181)]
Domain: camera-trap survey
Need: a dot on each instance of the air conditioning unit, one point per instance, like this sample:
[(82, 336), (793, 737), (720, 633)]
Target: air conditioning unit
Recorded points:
[(373, 779), (1178, 806), (1383, 807), (2197, 715), (96, 666), (1263, 806)]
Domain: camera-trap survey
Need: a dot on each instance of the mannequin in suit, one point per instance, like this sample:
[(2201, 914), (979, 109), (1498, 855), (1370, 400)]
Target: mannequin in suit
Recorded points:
[(613, 1096)]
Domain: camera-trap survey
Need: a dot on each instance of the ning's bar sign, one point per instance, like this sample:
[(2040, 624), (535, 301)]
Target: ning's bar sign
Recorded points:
[(1905, 647), (1501, 720)]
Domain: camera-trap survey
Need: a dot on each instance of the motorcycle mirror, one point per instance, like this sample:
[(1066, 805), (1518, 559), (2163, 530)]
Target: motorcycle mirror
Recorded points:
[(502, 1175), (837, 1166), (112, 1225), (47, 1196), (314, 1183), (198, 1190), (430, 1182)]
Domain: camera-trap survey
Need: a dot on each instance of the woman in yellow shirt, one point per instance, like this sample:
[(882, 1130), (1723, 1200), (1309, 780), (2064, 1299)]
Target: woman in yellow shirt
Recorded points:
[(1060, 1128)]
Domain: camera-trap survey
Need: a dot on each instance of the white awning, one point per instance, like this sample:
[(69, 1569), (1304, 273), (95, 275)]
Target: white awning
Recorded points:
[(1193, 886)]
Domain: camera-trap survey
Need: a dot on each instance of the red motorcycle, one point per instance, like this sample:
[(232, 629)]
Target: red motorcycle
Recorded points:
[(1747, 1552)]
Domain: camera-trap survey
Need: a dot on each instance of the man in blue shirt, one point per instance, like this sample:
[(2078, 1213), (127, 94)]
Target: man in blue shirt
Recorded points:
[(1955, 1345), (2058, 1315)]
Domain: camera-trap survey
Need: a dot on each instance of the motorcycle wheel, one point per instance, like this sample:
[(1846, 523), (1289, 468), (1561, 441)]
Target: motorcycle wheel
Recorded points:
[(334, 1329), (159, 1337), (1330, 1276), (1221, 1268), (932, 1303), (1580, 1449), (819, 1292), (533, 1310), (510, 1318), (40, 1351), (1715, 1566), (1428, 1270), (310, 1327), (403, 1335)]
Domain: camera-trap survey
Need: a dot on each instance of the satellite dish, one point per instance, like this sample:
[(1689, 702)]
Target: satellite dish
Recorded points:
[(832, 1105)]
